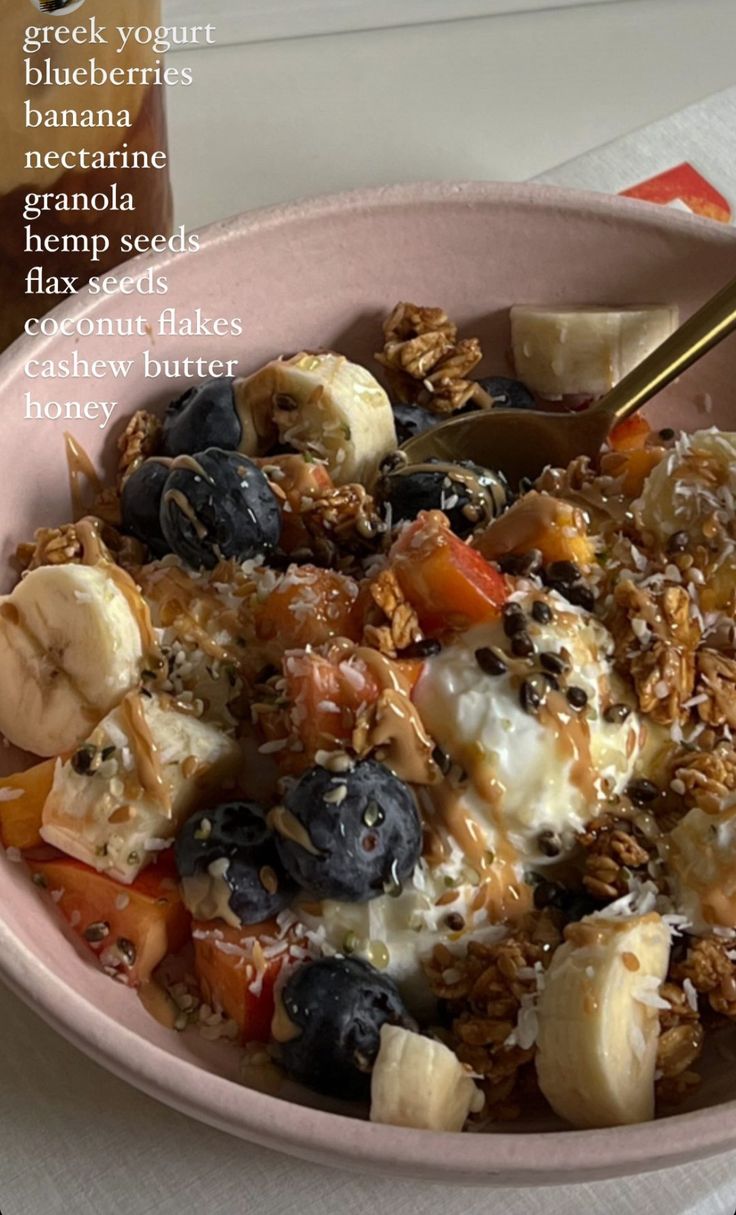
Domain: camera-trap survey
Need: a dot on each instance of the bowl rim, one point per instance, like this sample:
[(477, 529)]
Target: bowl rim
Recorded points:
[(628, 211), (272, 1121)]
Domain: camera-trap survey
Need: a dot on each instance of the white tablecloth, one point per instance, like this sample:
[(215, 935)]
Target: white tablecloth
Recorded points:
[(76, 1141), (497, 98)]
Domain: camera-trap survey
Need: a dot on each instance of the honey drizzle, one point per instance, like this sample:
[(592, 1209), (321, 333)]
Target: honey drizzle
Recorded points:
[(283, 1028), (158, 1003), (500, 891), (80, 468)]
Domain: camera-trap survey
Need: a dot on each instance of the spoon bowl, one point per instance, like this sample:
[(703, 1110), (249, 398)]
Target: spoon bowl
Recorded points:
[(518, 444)]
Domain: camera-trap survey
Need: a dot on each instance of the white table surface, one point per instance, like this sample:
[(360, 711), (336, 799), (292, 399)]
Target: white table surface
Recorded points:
[(504, 98)]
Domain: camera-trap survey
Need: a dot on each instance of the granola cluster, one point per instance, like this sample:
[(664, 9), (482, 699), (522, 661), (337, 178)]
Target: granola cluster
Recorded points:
[(613, 850), (398, 626), (50, 546), (426, 363), (342, 522), (706, 778), (490, 994), (716, 688), (62, 546), (680, 1043), (712, 973), (667, 597), (139, 441), (656, 640)]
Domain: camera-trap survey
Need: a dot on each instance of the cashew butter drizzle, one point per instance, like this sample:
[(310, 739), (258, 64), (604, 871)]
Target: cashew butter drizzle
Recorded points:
[(501, 891), (145, 752), (179, 498), (194, 612), (94, 553), (572, 735), (395, 734), (288, 826), (191, 465), (181, 501), (392, 728)]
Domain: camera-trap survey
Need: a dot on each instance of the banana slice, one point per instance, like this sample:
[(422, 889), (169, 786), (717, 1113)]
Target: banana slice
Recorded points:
[(419, 1082), (70, 649), (584, 351), (701, 856), (126, 790), (598, 1020), (323, 405)]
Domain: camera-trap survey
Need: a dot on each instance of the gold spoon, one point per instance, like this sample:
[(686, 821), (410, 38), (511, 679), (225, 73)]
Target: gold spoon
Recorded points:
[(520, 443)]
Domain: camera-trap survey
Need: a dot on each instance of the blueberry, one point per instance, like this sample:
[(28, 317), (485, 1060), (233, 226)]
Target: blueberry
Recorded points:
[(141, 505), (412, 420), (337, 1007), (249, 881), (469, 495), (579, 905), (349, 836), (508, 394), (573, 904), (205, 416), (217, 505)]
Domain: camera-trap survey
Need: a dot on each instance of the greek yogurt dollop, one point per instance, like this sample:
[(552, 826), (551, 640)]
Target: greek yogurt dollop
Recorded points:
[(532, 770)]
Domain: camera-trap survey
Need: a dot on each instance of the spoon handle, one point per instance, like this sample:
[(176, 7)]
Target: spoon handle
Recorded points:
[(714, 321)]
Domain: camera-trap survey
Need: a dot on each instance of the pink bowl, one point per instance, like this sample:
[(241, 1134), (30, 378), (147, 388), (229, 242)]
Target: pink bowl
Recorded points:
[(324, 273)]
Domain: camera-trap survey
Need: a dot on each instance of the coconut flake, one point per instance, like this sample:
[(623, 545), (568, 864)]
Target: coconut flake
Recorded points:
[(690, 994)]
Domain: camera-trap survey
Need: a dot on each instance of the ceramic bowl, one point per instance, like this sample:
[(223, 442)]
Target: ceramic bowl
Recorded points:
[(324, 273)]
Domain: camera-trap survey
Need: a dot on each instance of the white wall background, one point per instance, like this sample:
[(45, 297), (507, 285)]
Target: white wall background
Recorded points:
[(258, 20), (501, 97)]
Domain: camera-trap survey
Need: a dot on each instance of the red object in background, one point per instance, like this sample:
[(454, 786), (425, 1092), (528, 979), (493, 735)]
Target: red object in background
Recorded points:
[(685, 183)]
